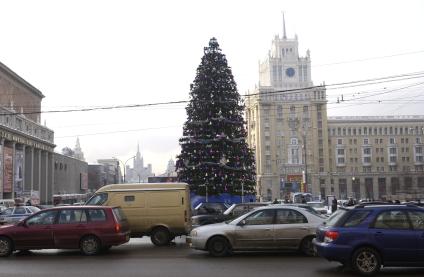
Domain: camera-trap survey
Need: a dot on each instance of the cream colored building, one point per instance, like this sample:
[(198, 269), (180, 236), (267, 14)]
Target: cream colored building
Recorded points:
[(298, 148), (375, 157)]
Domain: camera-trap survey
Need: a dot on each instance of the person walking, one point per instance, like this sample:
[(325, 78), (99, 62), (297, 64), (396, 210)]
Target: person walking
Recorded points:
[(334, 205)]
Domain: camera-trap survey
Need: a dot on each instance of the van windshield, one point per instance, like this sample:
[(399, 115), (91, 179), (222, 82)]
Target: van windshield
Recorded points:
[(97, 199)]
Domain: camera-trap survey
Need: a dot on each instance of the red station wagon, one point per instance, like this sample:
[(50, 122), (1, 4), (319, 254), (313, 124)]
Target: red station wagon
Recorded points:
[(88, 228)]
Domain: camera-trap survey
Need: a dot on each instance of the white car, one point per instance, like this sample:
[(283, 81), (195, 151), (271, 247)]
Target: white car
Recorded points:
[(318, 206), (275, 227)]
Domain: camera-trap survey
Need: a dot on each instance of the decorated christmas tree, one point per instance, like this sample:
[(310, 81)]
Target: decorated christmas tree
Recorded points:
[(214, 152)]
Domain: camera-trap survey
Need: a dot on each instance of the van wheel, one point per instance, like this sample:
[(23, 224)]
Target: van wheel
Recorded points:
[(366, 261), (218, 247), (5, 247), (307, 247), (160, 236), (90, 245)]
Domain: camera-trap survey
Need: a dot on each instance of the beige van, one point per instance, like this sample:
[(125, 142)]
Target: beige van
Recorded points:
[(159, 210)]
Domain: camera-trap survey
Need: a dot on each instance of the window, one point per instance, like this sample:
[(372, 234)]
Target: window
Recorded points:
[(366, 141), (340, 151), (286, 216), (392, 151), (339, 141), (72, 216), (356, 218), (264, 217), (392, 141), (367, 151), (417, 140), (417, 219), (97, 215), (392, 220), (129, 198), (43, 218)]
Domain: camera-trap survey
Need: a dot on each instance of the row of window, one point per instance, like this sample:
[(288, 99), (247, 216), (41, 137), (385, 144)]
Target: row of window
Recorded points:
[(391, 168), (366, 141), (374, 131)]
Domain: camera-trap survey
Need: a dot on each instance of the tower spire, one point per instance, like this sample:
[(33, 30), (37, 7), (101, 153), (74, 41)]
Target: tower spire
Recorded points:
[(284, 27)]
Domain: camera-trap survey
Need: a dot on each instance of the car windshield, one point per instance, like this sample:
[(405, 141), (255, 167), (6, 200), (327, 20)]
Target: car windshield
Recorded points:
[(33, 209), (97, 199)]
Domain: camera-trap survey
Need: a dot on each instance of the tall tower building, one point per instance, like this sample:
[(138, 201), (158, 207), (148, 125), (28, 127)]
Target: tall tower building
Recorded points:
[(287, 122), (78, 154)]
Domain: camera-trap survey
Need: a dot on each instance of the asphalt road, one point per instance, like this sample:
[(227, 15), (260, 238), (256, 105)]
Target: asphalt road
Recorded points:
[(141, 258)]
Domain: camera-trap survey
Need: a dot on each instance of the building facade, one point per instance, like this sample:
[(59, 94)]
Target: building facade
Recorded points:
[(298, 148), (70, 175), (375, 157), (26, 150)]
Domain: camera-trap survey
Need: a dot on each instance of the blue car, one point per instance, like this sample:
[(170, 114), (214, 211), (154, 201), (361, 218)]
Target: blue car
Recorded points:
[(368, 237)]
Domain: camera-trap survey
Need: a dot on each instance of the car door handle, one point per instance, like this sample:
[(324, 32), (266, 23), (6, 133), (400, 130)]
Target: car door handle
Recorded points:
[(267, 229), (303, 228), (378, 234)]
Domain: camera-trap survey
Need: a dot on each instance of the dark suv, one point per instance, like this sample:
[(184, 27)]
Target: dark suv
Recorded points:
[(367, 237)]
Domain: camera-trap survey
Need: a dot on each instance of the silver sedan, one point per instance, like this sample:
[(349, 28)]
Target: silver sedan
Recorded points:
[(265, 228)]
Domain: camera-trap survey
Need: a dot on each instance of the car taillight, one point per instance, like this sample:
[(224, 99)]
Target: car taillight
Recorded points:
[(117, 228), (330, 236)]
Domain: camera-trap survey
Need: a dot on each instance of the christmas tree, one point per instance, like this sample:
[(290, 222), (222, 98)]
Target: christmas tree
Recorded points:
[(214, 152)]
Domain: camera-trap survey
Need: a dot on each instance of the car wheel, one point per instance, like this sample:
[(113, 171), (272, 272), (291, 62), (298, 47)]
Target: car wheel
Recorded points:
[(218, 247), (160, 236), (366, 261), (5, 247), (90, 245), (307, 247)]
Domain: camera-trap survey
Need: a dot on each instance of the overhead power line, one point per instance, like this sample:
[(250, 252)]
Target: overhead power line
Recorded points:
[(392, 78)]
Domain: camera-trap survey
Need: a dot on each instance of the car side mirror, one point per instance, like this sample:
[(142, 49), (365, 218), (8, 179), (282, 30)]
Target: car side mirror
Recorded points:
[(22, 224), (242, 223)]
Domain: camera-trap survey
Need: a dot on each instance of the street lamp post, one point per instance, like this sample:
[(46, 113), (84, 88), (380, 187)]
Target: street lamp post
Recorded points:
[(125, 165)]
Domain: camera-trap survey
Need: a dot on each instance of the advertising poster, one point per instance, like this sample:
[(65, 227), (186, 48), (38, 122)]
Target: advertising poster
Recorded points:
[(8, 169), (19, 171), (1, 168)]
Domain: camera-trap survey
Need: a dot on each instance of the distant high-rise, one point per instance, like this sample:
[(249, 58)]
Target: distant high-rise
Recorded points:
[(139, 173)]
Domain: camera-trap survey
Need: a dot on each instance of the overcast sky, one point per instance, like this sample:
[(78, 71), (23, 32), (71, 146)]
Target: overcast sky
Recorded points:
[(103, 53)]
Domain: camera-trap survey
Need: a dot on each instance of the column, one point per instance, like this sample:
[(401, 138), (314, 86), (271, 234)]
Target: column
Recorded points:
[(47, 176), (51, 177), (376, 188), (32, 168), (13, 168), (23, 168)]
